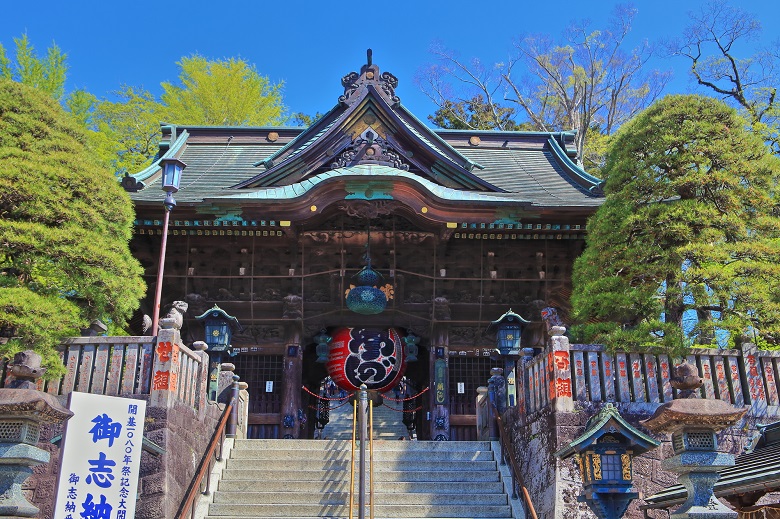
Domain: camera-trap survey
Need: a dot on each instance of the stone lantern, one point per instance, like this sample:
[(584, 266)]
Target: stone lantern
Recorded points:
[(22, 411), (693, 423), (604, 455)]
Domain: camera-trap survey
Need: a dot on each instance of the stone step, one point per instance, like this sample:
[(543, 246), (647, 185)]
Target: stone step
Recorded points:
[(423, 463), (317, 456), (381, 497), (378, 445), (328, 510), (380, 475), (398, 487), (347, 517)]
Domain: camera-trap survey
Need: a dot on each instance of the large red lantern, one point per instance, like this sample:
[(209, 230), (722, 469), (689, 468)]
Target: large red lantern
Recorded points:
[(366, 356)]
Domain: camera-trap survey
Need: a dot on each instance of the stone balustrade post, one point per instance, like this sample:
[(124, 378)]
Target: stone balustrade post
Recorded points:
[(202, 384), (559, 363), (483, 414), (243, 413), (165, 368)]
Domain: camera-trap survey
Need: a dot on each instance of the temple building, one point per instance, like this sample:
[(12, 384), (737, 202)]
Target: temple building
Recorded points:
[(389, 245)]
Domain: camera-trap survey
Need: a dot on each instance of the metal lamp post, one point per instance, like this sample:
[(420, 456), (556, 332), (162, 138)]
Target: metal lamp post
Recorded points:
[(508, 330), (219, 333), (604, 454), (171, 176)]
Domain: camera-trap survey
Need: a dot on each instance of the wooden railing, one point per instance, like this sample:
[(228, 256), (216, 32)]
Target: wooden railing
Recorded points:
[(566, 373)]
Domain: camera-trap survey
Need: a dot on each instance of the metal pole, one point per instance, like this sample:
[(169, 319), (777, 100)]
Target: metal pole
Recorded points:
[(362, 464), (233, 422), (160, 269)]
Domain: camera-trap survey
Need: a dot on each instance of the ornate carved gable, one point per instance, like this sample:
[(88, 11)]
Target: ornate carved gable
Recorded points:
[(369, 126)]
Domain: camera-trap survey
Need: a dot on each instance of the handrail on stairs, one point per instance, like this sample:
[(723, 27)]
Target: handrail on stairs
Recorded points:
[(205, 467), (361, 405), (508, 453)]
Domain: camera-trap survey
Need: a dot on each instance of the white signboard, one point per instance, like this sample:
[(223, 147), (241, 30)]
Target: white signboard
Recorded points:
[(101, 458), (269, 386), (461, 388)]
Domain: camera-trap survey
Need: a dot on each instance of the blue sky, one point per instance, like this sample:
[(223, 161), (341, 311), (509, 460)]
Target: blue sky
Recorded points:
[(310, 45)]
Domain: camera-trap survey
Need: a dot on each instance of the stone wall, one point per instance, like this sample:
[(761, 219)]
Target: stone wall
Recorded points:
[(185, 436), (555, 485), (181, 431)]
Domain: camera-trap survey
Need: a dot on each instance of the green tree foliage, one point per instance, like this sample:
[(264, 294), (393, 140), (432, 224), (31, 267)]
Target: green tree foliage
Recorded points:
[(717, 44), (686, 247), (65, 225), (46, 74), (222, 93), (305, 120), (475, 114), (586, 80), (124, 133)]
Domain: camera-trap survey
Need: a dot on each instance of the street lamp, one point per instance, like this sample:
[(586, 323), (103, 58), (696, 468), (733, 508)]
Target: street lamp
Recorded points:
[(508, 330), (604, 455), (219, 333), (171, 176)]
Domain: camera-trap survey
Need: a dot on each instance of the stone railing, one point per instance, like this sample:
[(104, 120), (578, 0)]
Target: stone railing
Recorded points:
[(101, 365), (164, 368), (566, 373)]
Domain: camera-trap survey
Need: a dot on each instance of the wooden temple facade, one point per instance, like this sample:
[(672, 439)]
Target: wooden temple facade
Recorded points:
[(273, 224)]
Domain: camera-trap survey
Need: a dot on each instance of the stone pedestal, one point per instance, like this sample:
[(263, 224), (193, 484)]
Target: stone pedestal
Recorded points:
[(21, 413), (698, 473)]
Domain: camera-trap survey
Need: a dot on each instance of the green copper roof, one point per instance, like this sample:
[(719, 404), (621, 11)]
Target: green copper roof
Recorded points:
[(368, 170), (533, 177), (597, 427)]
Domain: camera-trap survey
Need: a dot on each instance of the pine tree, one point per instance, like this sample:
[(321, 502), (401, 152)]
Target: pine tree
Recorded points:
[(686, 248), (65, 224)]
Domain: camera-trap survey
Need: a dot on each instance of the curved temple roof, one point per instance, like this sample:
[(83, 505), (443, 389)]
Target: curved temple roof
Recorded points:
[(370, 134)]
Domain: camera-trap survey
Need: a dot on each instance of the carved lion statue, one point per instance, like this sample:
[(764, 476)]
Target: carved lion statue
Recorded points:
[(175, 317)]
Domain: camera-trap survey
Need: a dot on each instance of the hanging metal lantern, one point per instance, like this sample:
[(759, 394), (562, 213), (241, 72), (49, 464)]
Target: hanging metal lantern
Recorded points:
[(411, 349), (366, 298), (368, 277), (323, 340)]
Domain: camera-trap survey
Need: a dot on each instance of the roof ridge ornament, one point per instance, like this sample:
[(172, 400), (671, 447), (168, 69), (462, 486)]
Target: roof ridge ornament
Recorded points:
[(385, 83), (369, 148)]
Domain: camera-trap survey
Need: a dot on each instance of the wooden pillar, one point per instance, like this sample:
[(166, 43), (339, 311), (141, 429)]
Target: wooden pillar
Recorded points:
[(439, 383), (292, 377)]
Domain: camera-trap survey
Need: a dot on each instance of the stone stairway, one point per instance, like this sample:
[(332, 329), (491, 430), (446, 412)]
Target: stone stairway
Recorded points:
[(387, 422), (310, 479)]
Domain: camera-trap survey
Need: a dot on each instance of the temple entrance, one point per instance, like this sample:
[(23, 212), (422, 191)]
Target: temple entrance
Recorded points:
[(405, 401)]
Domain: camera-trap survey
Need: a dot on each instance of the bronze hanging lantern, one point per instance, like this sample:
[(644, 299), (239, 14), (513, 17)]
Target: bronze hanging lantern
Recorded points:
[(366, 298)]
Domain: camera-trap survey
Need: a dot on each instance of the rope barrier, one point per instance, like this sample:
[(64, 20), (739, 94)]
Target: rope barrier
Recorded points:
[(407, 399), (349, 395), (335, 399)]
